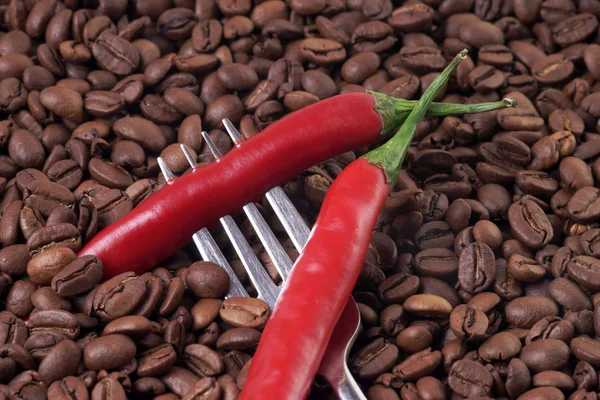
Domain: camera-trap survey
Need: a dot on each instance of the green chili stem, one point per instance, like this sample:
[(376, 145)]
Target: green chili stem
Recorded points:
[(391, 155), (395, 111)]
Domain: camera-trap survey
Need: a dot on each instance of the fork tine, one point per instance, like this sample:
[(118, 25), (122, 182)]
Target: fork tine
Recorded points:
[(188, 156), (209, 251), (206, 244), (292, 222), (280, 259), (234, 134), (266, 288), (290, 218), (165, 170), (211, 146)]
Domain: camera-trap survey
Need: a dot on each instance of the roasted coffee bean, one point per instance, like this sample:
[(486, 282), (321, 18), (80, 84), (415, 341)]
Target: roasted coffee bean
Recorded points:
[(78, 277), (418, 365), (427, 305), (469, 378), (398, 288), (373, 359), (524, 312), (245, 312), (525, 269), (60, 362), (118, 296), (156, 361), (207, 280), (440, 263), (49, 237), (202, 360), (42, 268), (468, 323), (551, 328), (476, 268), (323, 51), (584, 270), (108, 352), (57, 321), (529, 224)]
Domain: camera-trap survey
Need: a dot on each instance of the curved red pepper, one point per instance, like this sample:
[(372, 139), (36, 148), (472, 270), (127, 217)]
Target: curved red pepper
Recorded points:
[(166, 221), (295, 338), (318, 288)]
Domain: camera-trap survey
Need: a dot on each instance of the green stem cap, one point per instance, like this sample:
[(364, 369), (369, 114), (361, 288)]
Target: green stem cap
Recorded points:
[(391, 155)]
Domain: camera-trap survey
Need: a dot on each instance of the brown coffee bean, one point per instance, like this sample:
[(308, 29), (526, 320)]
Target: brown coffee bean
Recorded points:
[(469, 378), (552, 69), (204, 312), (156, 361), (543, 355), (206, 279), (118, 296), (574, 29), (575, 173), (525, 269), (374, 359), (440, 263), (61, 361), (108, 352), (468, 323), (108, 174), (476, 268), (398, 287), (49, 237), (245, 312), (582, 206), (551, 328), (418, 365), (206, 36), (43, 267), (57, 321), (525, 311), (14, 259), (64, 102), (228, 106), (529, 224), (480, 33), (26, 150), (18, 298), (323, 51), (78, 276), (239, 339)]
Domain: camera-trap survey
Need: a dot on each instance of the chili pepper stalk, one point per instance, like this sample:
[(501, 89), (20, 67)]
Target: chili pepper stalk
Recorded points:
[(296, 336), (394, 112), (391, 155)]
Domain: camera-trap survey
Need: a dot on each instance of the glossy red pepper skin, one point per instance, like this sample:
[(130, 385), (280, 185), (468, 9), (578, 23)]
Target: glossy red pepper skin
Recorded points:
[(318, 288), (165, 222)]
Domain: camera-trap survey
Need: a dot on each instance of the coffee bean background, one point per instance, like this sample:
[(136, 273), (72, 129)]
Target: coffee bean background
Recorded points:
[(483, 273)]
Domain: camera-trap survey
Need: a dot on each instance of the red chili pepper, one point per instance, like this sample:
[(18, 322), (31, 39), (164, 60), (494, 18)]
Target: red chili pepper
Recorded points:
[(324, 275), (164, 223)]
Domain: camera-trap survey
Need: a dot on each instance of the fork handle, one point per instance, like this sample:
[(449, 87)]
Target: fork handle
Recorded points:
[(347, 388)]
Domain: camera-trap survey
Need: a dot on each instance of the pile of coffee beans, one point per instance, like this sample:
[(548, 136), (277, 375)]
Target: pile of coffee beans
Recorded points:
[(483, 273)]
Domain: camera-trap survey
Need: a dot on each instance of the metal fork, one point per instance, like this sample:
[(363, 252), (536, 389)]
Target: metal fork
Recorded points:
[(334, 366)]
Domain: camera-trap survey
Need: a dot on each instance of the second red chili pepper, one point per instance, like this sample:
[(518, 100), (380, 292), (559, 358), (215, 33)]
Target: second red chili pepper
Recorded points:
[(324, 275)]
